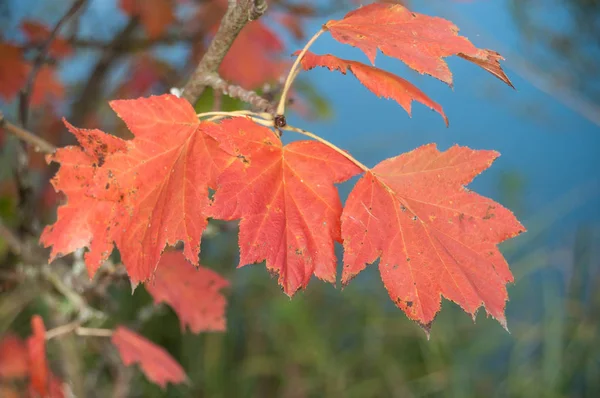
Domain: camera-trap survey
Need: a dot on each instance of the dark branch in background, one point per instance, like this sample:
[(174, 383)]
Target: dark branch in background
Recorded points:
[(92, 91), (238, 14), (217, 83), (11, 239), (39, 144), (22, 177), (140, 44), (39, 61)]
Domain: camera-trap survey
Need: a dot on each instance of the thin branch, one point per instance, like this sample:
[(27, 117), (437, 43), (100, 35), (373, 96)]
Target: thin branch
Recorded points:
[(94, 332), (85, 311), (93, 89), (140, 44), (238, 14), (39, 60), (12, 240), (216, 82), (38, 143), (62, 330)]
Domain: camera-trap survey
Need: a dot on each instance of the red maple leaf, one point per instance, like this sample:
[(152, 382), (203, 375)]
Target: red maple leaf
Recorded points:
[(42, 382), (84, 221), (13, 71), (37, 33), (285, 198), (144, 197), (251, 61), (36, 349), (434, 237), (420, 41), (156, 363), (197, 299), (379, 82), (13, 358), (156, 15), (162, 179), (46, 86)]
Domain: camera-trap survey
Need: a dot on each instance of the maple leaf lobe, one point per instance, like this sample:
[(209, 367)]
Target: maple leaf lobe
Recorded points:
[(433, 237), (156, 363), (197, 299), (84, 220), (420, 41), (286, 200), (380, 82), (164, 178)]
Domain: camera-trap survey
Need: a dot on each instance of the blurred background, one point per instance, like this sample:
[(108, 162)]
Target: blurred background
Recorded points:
[(326, 341)]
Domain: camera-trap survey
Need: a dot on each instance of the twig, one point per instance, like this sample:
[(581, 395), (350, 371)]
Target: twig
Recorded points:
[(85, 311), (295, 69), (11, 239), (94, 332), (39, 60), (216, 82), (63, 329), (25, 188), (238, 14), (139, 44), (38, 143), (88, 96)]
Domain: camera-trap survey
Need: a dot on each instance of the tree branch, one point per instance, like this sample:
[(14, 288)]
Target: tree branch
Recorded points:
[(238, 14), (38, 143), (39, 60), (216, 82), (139, 44), (12, 240), (93, 89)]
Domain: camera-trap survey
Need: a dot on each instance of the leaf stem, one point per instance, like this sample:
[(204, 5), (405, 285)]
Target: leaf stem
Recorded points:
[(294, 72), (38, 143), (327, 143), (262, 115)]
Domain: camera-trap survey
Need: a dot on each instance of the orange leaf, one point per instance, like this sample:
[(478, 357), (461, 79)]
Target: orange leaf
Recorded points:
[(46, 86), (145, 197), (156, 363), (84, 221), (13, 357), (285, 197), (162, 179), (194, 293), (13, 71), (434, 237), (38, 33), (156, 15), (38, 365), (379, 82), (420, 41), (251, 60)]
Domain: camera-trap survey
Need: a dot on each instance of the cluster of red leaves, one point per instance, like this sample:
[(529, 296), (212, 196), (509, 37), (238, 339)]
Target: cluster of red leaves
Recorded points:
[(27, 359), (434, 237), (197, 301), (420, 41), (15, 68)]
